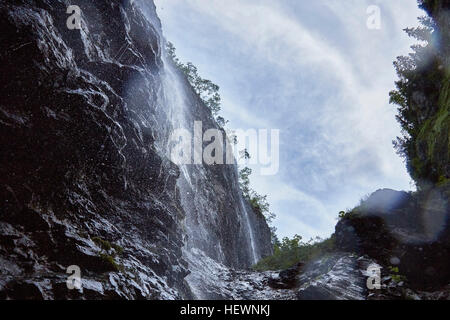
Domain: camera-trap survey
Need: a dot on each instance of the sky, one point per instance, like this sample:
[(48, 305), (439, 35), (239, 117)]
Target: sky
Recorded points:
[(318, 73)]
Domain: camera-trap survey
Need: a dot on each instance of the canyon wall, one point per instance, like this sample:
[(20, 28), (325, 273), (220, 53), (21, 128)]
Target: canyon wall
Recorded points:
[(85, 174)]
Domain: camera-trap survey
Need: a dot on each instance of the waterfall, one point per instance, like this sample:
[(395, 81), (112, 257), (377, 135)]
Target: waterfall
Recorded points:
[(176, 102), (217, 223), (250, 232)]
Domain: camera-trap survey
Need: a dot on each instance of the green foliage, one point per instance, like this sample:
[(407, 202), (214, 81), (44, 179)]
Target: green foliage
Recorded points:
[(104, 244), (443, 181), (171, 52), (349, 214), (109, 259), (394, 269), (423, 102), (221, 121), (430, 5), (118, 249), (109, 252), (259, 204), (289, 252), (395, 275), (244, 181), (205, 89)]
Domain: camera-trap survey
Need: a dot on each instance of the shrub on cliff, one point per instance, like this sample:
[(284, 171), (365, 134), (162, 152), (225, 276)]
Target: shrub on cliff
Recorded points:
[(205, 89), (290, 252)]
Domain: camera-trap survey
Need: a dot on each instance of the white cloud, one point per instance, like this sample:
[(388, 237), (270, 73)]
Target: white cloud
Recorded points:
[(328, 93)]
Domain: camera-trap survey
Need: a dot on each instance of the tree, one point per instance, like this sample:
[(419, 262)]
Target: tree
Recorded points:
[(421, 75), (244, 181), (171, 52), (205, 89), (221, 121)]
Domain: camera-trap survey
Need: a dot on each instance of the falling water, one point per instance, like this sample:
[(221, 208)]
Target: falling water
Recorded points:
[(175, 110), (175, 103), (176, 100), (250, 232)]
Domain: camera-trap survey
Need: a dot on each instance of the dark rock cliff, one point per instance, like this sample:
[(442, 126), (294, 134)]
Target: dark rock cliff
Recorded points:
[(85, 179), (407, 231)]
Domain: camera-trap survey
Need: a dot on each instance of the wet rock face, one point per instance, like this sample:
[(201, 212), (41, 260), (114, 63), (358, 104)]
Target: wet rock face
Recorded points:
[(334, 276), (286, 279), (231, 284), (85, 178), (338, 276), (77, 159)]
